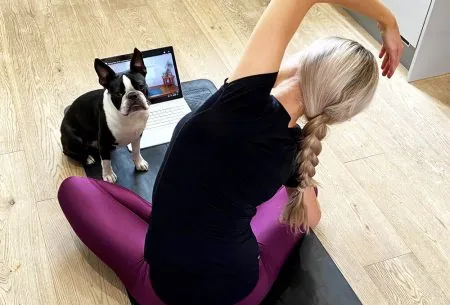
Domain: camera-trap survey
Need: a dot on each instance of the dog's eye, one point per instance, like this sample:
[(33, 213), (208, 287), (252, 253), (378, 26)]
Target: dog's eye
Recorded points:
[(118, 95)]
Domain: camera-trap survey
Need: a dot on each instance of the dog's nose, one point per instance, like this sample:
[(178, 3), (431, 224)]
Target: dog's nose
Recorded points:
[(133, 95)]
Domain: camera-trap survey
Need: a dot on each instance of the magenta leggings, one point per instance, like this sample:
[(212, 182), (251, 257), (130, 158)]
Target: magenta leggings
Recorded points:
[(112, 221)]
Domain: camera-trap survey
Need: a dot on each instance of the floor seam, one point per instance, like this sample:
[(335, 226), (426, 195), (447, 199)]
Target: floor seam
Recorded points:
[(46, 199), (366, 157), (11, 152), (384, 260)]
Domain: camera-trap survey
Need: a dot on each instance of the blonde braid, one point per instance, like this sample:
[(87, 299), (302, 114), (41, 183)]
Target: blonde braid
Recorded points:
[(338, 79), (295, 212)]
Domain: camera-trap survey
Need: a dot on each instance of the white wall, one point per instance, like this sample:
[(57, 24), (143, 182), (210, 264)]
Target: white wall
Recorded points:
[(432, 56)]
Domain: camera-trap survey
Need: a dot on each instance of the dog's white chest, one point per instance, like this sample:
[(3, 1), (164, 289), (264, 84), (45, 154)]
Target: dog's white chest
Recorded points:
[(125, 129), (128, 132)]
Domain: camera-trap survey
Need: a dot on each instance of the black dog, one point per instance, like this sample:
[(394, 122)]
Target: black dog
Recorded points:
[(99, 121)]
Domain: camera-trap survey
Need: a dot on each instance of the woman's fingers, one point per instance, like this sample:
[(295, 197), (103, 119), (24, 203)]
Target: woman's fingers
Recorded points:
[(393, 65), (391, 60), (385, 61), (386, 64), (391, 50), (382, 52), (395, 56)]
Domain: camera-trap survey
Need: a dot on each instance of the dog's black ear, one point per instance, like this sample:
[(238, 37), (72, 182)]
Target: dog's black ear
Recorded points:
[(104, 72), (137, 63)]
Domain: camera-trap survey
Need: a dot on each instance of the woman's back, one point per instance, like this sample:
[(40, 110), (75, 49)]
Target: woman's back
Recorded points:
[(208, 188)]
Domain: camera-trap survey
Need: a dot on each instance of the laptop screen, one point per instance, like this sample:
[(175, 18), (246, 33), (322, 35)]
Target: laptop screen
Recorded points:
[(162, 74)]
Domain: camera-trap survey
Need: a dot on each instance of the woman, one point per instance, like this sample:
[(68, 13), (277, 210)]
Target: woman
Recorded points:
[(209, 239)]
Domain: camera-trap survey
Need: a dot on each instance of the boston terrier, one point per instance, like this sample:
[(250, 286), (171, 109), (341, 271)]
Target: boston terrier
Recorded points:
[(100, 120)]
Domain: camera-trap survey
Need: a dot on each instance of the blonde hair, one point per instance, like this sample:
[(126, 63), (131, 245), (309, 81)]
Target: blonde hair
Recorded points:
[(338, 79)]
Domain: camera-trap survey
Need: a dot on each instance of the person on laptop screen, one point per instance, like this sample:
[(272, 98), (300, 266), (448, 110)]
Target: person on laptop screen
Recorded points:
[(222, 222), (162, 79)]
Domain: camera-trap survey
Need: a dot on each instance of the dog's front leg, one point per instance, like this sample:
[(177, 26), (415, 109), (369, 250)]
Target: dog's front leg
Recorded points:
[(107, 170), (139, 162)]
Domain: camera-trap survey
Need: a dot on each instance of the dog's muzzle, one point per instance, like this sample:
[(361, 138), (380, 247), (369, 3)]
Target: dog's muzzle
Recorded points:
[(136, 101)]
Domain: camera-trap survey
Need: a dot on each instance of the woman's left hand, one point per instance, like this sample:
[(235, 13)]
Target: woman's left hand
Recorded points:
[(392, 49)]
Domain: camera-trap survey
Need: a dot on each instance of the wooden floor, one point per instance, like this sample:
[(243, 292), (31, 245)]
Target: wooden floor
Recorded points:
[(385, 174)]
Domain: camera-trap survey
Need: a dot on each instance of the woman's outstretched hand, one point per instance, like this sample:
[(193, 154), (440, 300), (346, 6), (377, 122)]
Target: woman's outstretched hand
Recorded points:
[(392, 49)]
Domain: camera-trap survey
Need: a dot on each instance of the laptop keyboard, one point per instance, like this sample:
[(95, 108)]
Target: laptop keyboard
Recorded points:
[(166, 116)]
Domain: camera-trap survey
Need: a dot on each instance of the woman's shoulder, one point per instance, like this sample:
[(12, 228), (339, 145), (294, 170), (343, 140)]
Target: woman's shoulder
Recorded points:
[(260, 80), (247, 95)]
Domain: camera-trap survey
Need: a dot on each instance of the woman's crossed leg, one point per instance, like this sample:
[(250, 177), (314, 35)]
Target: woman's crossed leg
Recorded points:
[(113, 221)]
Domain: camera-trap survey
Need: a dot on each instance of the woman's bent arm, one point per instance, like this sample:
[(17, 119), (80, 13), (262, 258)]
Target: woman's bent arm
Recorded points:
[(280, 20)]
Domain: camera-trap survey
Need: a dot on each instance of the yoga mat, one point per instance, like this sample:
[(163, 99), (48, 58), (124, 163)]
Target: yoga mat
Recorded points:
[(309, 276)]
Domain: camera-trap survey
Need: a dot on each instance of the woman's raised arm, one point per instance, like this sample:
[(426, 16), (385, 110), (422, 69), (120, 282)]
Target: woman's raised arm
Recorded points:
[(280, 20)]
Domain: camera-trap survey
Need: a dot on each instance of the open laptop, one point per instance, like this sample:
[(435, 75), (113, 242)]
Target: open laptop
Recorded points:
[(167, 103)]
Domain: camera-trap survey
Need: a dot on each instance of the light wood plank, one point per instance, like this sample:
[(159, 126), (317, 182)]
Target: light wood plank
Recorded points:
[(216, 27), (71, 78), (404, 120), (404, 281), (350, 142), (408, 102), (193, 49), (10, 137), (74, 266), (413, 133), (139, 21), (425, 163), (63, 43), (144, 30), (362, 235), (48, 48), (419, 111), (129, 4), (407, 206), (101, 30), (37, 108), (24, 274), (437, 88), (369, 236)]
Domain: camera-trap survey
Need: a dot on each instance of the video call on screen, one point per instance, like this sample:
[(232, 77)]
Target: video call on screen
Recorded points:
[(161, 78)]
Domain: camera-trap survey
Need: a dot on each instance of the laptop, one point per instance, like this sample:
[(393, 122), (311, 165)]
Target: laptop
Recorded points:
[(168, 106)]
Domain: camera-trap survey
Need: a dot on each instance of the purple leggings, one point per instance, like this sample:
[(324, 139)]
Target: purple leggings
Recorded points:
[(112, 221)]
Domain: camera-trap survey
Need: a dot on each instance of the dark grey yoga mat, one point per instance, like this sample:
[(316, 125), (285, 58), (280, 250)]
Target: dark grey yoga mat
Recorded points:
[(309, 276)]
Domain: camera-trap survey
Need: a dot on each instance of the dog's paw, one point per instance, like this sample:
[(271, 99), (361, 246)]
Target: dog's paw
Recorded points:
[(141, 164), (90, 160), (111, 177)]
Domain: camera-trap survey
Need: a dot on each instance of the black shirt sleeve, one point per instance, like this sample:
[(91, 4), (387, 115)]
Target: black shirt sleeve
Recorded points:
[(250, 94), (292, 180)]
